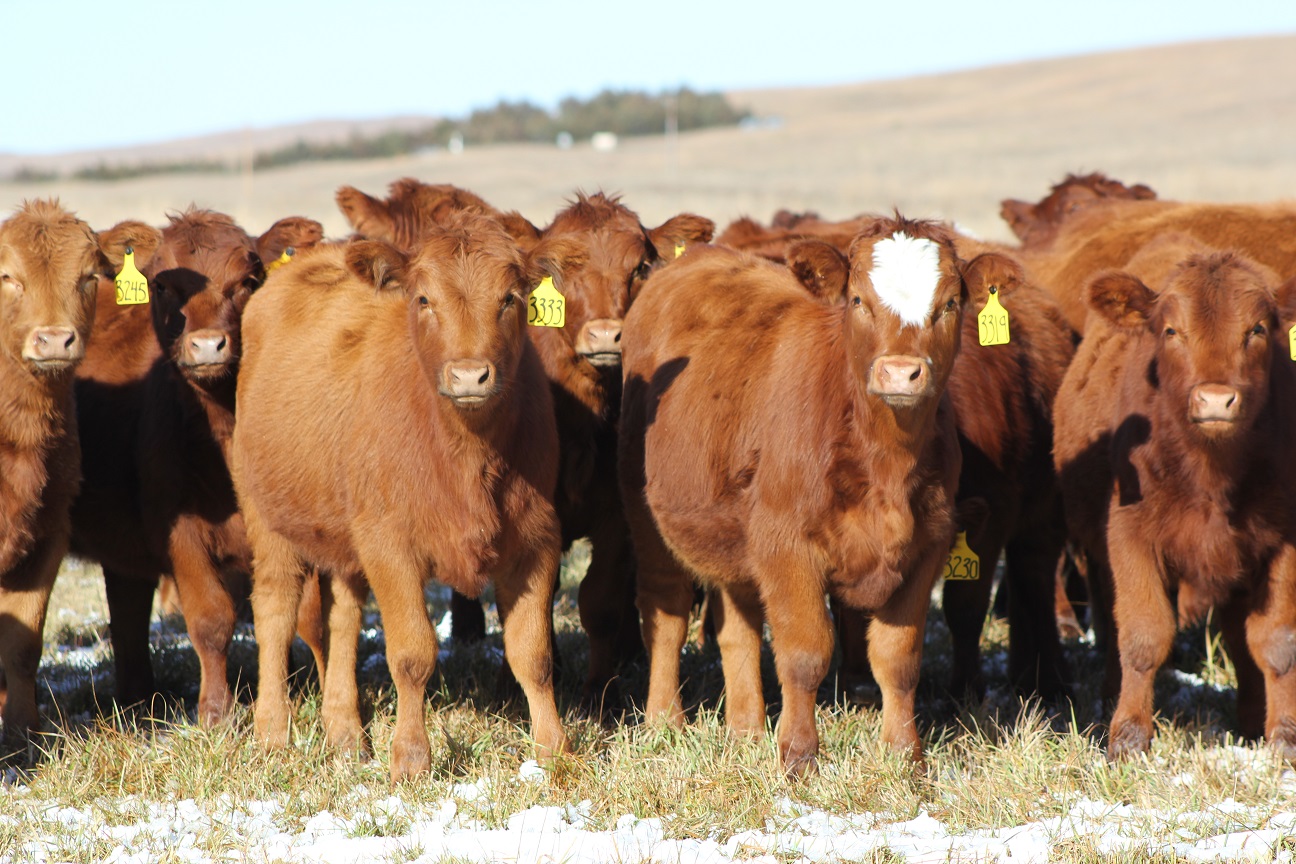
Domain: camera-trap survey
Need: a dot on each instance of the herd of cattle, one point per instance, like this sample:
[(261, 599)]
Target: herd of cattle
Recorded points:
[(800, 417)]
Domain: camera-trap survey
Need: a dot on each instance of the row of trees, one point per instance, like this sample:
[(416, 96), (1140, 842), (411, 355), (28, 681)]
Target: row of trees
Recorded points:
[(623, 112)]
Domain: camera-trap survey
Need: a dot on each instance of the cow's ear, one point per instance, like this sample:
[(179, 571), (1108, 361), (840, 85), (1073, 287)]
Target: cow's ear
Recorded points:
[(291, 232), (141, 239), (521, 229), (369, 217), (1020, 216), (552, 257), (991, 270), (378, 263), (1122, 299), (820, 267), (680, 232)]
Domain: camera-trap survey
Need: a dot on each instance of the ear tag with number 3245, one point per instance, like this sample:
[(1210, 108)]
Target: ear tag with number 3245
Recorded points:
[(962, 565), (992, 323), (132, 287), (546, 307)]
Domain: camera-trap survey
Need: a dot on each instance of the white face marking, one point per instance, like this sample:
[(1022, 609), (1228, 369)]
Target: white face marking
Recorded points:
[(905, 273)]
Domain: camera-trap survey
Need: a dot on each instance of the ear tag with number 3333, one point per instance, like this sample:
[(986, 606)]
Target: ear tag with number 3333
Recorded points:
[(546, 307), (992, 323), (132, 287), (962, 565)]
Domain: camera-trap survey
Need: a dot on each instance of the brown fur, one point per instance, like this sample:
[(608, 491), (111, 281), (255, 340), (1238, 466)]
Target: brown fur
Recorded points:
[(1106, 237), (156, 398), (1036, 225), (48, 265), (1177, 516), (756, 456), (383, 473)]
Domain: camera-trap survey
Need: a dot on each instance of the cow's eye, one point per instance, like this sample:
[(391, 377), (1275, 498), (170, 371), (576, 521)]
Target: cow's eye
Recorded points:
[(855, 301), (1258, 330), (1170, 331), (423, 301), (951, 305), (508, 301)]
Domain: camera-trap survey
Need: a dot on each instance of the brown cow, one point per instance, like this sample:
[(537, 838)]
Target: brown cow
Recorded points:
[(1003, 403), (1036, 225), (421, 443), (778, 449), (1171, 425), (49, 261), (156, 400)]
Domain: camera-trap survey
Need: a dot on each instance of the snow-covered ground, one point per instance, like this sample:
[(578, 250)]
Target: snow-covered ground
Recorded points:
[(390, 830)]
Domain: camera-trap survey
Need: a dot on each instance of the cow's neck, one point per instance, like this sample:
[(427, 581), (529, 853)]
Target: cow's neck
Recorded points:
[(34, 416)]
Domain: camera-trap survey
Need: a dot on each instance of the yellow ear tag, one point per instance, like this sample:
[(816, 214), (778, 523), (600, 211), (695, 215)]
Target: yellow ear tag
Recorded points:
[(1291, 340), (546, 307), (992, 323), (281, 260), (679, 249), (132, 287), (962, 565)]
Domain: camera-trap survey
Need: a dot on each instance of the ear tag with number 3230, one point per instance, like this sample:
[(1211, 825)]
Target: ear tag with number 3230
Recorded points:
[(962, 565), (546, 307), (132, 287), (1291, 341), (992, 323)]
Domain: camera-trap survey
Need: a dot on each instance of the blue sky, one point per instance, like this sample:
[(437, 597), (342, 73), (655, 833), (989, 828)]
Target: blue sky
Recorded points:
[(80, 75)]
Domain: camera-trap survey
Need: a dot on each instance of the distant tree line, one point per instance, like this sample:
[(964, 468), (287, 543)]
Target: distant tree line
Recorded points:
[(623, 112)]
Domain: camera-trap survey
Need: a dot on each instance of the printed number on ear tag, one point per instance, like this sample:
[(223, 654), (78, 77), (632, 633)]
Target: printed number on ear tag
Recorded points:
[(992, 323), (132, 287), (546, 307), (962, 565), (1291, 340)]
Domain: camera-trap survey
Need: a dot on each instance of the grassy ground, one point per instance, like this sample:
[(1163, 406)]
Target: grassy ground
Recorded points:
[(990, 765)]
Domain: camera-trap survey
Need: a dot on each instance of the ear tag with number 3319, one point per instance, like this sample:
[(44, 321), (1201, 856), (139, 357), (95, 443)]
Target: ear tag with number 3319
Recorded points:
[(992, 323), (132, 287), (546, 307), (962, 565)]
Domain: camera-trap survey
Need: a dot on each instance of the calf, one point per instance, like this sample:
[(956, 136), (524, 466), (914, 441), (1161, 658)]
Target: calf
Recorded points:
[(1170, 425), (49, 263), (395, 425), (777, 449), (1036, 225), (156, 398)]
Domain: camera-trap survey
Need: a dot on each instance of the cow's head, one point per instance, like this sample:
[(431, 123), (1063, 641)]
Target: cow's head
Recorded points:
[(201, 277), (1036, 224), (466, 288), (1215, 330), (50, 267), (619, 253), (413, 209)]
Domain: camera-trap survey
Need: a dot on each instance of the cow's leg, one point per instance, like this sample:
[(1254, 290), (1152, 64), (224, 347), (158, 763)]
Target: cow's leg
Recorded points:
[(467, 619), (801, 636), (738, 618), (1145, 628), (24, 596), (277, 585), (855, 675), (130, 610), (665, 596), (209, 616), (895, 642), (607, 612), (411, 645), (1271, 634), (965, 604), (1251, 686), (1036, 663), (524, 595), (341, 708), (310, 620)]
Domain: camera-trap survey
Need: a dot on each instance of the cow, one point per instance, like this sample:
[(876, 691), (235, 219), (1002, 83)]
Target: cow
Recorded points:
[(50, 267), (777, 448), (1002, 397), (155, 397), (1106, 237), (582, 360), (1170, 425), (394, 425), (1036, 225)]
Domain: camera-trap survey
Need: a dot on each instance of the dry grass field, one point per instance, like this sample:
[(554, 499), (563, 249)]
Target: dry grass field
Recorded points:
[(1213, 121), (1205, 121)]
